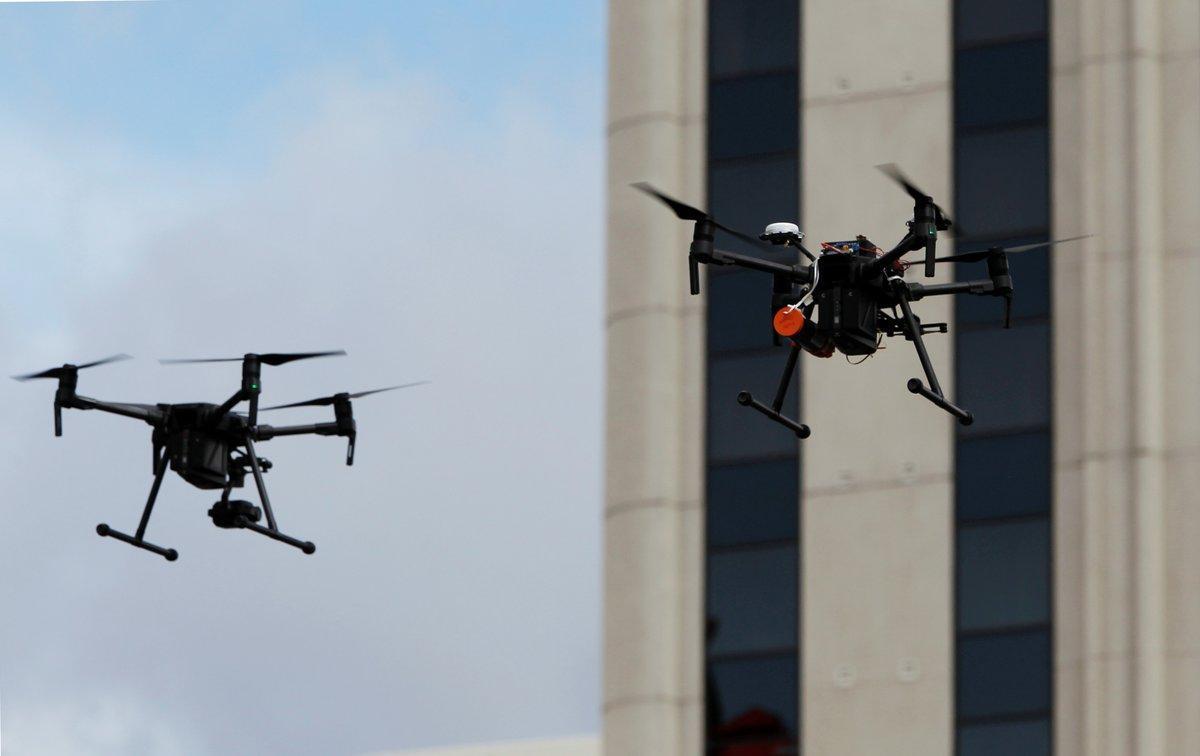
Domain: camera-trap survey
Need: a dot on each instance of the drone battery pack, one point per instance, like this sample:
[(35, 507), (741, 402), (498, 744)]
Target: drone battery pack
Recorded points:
[(849, 319), (199, 458)]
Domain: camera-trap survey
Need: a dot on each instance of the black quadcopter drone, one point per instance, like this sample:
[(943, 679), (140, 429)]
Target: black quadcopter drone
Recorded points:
[(209, 445), (853, 285)]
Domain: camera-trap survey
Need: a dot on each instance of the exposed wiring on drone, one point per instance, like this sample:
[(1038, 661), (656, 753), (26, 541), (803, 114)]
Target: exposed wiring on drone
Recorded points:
[(878, 346), (816, 266)]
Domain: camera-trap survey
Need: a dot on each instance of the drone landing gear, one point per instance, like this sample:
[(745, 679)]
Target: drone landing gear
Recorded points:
[(913, 331), (241, 514), (160, 469), (746, 399)]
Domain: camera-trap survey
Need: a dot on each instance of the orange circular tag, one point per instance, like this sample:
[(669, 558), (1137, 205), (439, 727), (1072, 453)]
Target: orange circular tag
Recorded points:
[(788, 321)]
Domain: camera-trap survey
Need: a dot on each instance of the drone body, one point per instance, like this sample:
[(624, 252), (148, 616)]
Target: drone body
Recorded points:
[(209, 445), (853, 294)]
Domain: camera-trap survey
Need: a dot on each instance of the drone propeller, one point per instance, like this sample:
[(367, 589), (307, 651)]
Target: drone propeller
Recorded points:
[(984, 254), (928, 216), (997, 262), (892, 171), (343, 412), (684, 211), (271, 358), (59, 372), (325, 401), (67, 376)]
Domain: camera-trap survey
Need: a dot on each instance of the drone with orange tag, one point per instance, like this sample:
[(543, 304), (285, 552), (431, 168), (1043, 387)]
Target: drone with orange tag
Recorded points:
[(853, 293)]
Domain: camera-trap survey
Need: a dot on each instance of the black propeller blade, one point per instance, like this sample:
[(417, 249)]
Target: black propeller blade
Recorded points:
[(325, 401), (684, 211), (928, 217), (892, 171), (62, 370), (271, 358), (984, 254)]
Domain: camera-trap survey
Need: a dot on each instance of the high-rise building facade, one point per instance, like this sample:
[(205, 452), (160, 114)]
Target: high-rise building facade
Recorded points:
[(898, 583)]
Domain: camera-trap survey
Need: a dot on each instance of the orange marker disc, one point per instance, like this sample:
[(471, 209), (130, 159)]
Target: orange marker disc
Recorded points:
[(788, 321)]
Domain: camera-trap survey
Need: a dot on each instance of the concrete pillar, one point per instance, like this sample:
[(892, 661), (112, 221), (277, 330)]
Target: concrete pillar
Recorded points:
[(877, 508), (654, 524), (1126, 136)]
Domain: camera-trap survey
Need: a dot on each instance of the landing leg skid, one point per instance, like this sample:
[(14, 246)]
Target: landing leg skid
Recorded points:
[(307, 547), (160, 469), (934, 393), (271, 531), (746, 399)]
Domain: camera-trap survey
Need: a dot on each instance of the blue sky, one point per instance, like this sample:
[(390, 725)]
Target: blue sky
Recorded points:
[(185, 178), (178, 77)]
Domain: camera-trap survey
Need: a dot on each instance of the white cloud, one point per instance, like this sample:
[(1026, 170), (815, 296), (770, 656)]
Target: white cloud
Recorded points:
[(454, 595), (102, 724)]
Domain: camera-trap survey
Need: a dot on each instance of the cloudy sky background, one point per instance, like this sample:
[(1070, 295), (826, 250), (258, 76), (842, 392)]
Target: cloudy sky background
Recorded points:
[(418, 183)]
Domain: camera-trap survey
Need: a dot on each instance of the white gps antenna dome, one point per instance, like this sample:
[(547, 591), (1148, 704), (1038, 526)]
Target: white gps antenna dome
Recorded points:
[(782, 233)]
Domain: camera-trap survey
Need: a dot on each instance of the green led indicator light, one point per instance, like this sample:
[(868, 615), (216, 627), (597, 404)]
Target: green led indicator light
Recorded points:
[(253, 385)]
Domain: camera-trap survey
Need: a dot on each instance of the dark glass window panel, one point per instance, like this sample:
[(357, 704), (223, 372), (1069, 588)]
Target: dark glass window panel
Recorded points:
[(749, 194), (1004, 378), (1027, 738), (737, 433), (752, 597), (758, 696), (739, 312), (1002, 181), (751, 37), (1031, 283), (977, 21), (753, 503), (1001, 84), (1003, 574), (1003, 476), (1003, 675), (755, 115)]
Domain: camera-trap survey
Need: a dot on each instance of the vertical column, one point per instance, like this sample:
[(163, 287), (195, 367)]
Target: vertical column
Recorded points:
[(1180, 318), (877, 489), (1126, 168), (752, 596), (653, 679), (1002, 471)]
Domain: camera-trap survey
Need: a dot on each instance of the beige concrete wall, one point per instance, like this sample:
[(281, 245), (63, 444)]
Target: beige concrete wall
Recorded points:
[(877, 569), (1180, 71), (877, 523), (1126, 133), (653, 655)]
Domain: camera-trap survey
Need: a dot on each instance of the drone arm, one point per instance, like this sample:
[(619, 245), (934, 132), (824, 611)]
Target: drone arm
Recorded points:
[(982, 287), (267, 432), (233, 401), (146, 412), (996, 287), (343, 427), (910, 242), (800, 274)]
